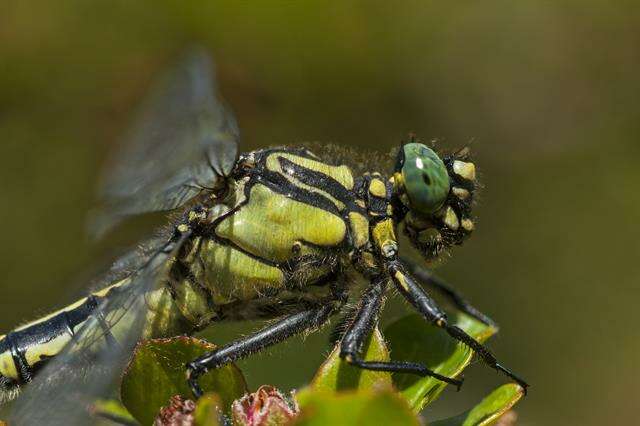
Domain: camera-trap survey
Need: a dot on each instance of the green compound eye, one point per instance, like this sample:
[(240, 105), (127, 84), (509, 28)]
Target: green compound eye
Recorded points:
[(426, 178)]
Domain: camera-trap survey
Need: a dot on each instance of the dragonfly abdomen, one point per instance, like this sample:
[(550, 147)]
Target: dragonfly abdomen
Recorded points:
[(25, 350)]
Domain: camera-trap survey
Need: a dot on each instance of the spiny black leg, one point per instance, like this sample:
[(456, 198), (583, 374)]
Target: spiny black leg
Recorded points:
[(361, 327), (275, 333), (459, 334), (432, 313), (428, 279)]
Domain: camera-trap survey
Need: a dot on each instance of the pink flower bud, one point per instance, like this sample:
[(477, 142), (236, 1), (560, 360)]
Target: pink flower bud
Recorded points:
[(179, 412), (265, 407)]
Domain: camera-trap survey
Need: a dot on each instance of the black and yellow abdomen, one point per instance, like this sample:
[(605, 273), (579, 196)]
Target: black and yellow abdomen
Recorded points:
[(24, 351)]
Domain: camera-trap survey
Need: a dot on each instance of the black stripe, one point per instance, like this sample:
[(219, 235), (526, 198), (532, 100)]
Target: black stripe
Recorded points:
[(40, 333), (280, 184), (25, 373), (317, 179)]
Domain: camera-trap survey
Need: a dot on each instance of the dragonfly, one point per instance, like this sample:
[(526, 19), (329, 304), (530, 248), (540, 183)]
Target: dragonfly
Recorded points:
[(277, 233)]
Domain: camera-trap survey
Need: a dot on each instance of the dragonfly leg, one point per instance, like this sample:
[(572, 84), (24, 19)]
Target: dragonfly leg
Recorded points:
[(283, 329), (365, 319), (431, 312), (426, 278)]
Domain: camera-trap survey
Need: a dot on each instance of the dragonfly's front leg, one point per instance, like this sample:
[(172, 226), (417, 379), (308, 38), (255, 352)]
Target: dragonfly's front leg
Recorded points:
[(288, 327), (431, 312), (361, 327), (428, 279)]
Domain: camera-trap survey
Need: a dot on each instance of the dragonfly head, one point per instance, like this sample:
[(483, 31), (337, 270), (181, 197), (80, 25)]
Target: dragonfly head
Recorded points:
[(436, 195)]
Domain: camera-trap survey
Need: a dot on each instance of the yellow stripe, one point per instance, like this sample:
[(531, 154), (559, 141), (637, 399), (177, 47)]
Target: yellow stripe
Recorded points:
[(400, 278), (71, 307), (359, 229), (7, 366), (35, 353)]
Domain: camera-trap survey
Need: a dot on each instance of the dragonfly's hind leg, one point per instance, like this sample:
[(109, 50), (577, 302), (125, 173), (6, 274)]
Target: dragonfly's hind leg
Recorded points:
[(428, 279), (283, 329), (361, 327)]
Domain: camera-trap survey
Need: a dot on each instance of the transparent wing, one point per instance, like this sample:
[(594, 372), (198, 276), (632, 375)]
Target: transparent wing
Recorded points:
[(90, 366), (183, 141)]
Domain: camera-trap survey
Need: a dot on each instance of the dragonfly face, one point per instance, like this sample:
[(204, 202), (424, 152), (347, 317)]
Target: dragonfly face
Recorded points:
[(437, 194)]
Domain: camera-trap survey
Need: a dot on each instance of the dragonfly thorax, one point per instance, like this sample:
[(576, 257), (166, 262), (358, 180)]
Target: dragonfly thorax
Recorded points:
[(287, 224)]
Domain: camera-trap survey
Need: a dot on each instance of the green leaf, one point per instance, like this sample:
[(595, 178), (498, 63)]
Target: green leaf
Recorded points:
[(335, 374), (207, 410), (412, 339), (489, 410), (157, 372), (364, 407), (112, 410)]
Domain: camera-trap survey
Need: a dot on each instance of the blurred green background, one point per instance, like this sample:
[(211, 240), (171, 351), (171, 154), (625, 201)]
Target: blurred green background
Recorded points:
[(547, 91)]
